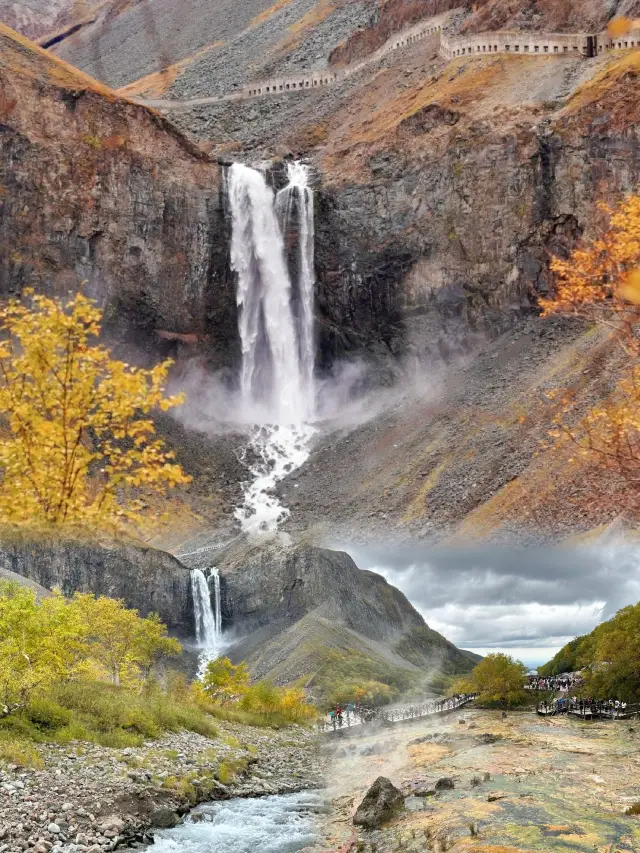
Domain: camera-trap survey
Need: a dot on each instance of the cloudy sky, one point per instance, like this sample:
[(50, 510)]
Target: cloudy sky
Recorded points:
[(525, 602)]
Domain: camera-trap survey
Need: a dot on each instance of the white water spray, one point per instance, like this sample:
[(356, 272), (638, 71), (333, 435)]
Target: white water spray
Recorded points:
[(278, 348), (208, 620)]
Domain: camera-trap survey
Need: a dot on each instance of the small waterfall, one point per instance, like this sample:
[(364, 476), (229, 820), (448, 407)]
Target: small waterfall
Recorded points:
[(217, 613), (278, 347), (208, 620)]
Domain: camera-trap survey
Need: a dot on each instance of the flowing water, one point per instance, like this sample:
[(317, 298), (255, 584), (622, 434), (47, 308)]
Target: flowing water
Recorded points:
[(278, 824), (208, 619), (275, 324)]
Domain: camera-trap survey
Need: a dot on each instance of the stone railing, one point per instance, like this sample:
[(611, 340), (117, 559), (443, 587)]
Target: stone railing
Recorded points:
[(319, 79), (502, 41), (553, 44)]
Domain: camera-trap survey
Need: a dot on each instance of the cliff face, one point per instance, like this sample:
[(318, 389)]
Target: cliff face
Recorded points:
[(98, 190), (291, 604), (441, 207), (148, 580)]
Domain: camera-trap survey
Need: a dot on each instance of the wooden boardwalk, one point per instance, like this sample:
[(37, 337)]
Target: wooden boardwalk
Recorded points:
[(595, 711), (363, 722)]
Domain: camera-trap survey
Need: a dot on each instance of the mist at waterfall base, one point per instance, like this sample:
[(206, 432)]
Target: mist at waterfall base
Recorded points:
[(278, 401), (276, 824)]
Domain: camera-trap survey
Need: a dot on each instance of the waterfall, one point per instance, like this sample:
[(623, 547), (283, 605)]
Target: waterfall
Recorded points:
[(208, 620), (297, 197), (277, 341), (272, 380), (217, 613)]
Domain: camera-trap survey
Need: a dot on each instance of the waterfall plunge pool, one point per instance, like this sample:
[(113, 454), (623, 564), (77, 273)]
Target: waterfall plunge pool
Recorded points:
[(284, 823)]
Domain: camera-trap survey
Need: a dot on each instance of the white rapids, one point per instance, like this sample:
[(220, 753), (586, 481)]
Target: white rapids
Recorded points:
[(277, 824), (275, 323)]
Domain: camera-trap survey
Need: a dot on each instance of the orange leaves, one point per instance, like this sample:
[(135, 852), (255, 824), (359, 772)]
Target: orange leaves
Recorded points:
[(621, 26), (630, 289), (600, 282), (79, 443)]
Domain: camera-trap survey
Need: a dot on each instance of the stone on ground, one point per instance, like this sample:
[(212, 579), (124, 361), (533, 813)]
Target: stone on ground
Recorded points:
[(381, 802)]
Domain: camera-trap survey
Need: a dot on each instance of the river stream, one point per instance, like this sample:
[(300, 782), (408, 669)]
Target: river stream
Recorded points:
[(278, 824)]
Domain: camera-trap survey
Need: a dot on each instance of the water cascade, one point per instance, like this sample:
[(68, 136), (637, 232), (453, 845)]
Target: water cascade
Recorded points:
[(276, 824), (208, 619), (275, 324)]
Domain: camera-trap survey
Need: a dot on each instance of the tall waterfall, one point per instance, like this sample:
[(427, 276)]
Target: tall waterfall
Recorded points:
[(296, 199), (208, 619), (275, 324)]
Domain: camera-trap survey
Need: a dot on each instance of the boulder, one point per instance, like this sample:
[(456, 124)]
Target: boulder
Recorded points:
[(445, 784), (163, 818), (381, 802)]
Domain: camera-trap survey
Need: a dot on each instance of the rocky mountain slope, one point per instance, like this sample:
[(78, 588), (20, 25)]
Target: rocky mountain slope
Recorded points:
[(290, 606), (553, 15), (35, 18), (287, 607), (220, 43)]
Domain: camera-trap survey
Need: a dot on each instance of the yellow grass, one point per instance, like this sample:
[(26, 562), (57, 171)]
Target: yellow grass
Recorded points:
[(593, 90), (264, 16), (38, 60), (416, 508)]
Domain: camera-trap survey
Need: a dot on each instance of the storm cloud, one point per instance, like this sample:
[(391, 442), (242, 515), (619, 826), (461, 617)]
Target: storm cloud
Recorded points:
[(526, 601)]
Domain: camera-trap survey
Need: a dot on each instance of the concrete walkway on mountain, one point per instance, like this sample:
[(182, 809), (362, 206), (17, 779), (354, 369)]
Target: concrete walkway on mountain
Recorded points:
[(583, 45)]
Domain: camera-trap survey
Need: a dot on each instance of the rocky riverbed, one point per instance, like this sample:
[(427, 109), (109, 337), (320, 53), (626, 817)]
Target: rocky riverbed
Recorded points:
[(87, 798)]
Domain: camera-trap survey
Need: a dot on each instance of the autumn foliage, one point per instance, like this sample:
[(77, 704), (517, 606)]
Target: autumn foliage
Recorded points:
[(600, 282), (56, 640), (498, 680), (78, 444), (230, 685)]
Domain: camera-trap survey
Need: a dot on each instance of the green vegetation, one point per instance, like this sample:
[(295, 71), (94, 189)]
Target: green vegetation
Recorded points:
[(353, 676), (498, 679), (103, 713), (85, 669), (54, 641), (609, 658), (228, 686), (566, 659)]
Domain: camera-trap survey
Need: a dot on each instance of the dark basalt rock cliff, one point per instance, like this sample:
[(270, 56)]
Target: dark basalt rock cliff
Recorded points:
[(148, 580), (98, 190), (442, 247), (288, 603)]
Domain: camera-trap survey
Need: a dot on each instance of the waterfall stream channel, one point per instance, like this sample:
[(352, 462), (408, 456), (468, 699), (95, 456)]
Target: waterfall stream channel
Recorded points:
[(277, 407)]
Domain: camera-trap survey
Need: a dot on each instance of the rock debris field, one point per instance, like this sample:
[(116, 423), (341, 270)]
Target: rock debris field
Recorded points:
[(88, 798)]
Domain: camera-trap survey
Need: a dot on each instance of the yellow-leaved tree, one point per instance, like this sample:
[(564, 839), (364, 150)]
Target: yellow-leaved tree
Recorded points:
[(499, 679), (76, 444), (600, 282)]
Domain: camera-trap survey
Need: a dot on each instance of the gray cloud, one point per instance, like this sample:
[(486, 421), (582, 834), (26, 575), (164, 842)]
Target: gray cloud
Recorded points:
[(486, 597)]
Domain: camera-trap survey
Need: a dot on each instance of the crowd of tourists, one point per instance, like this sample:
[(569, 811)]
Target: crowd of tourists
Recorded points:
[(586, 707), (556, 683)]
